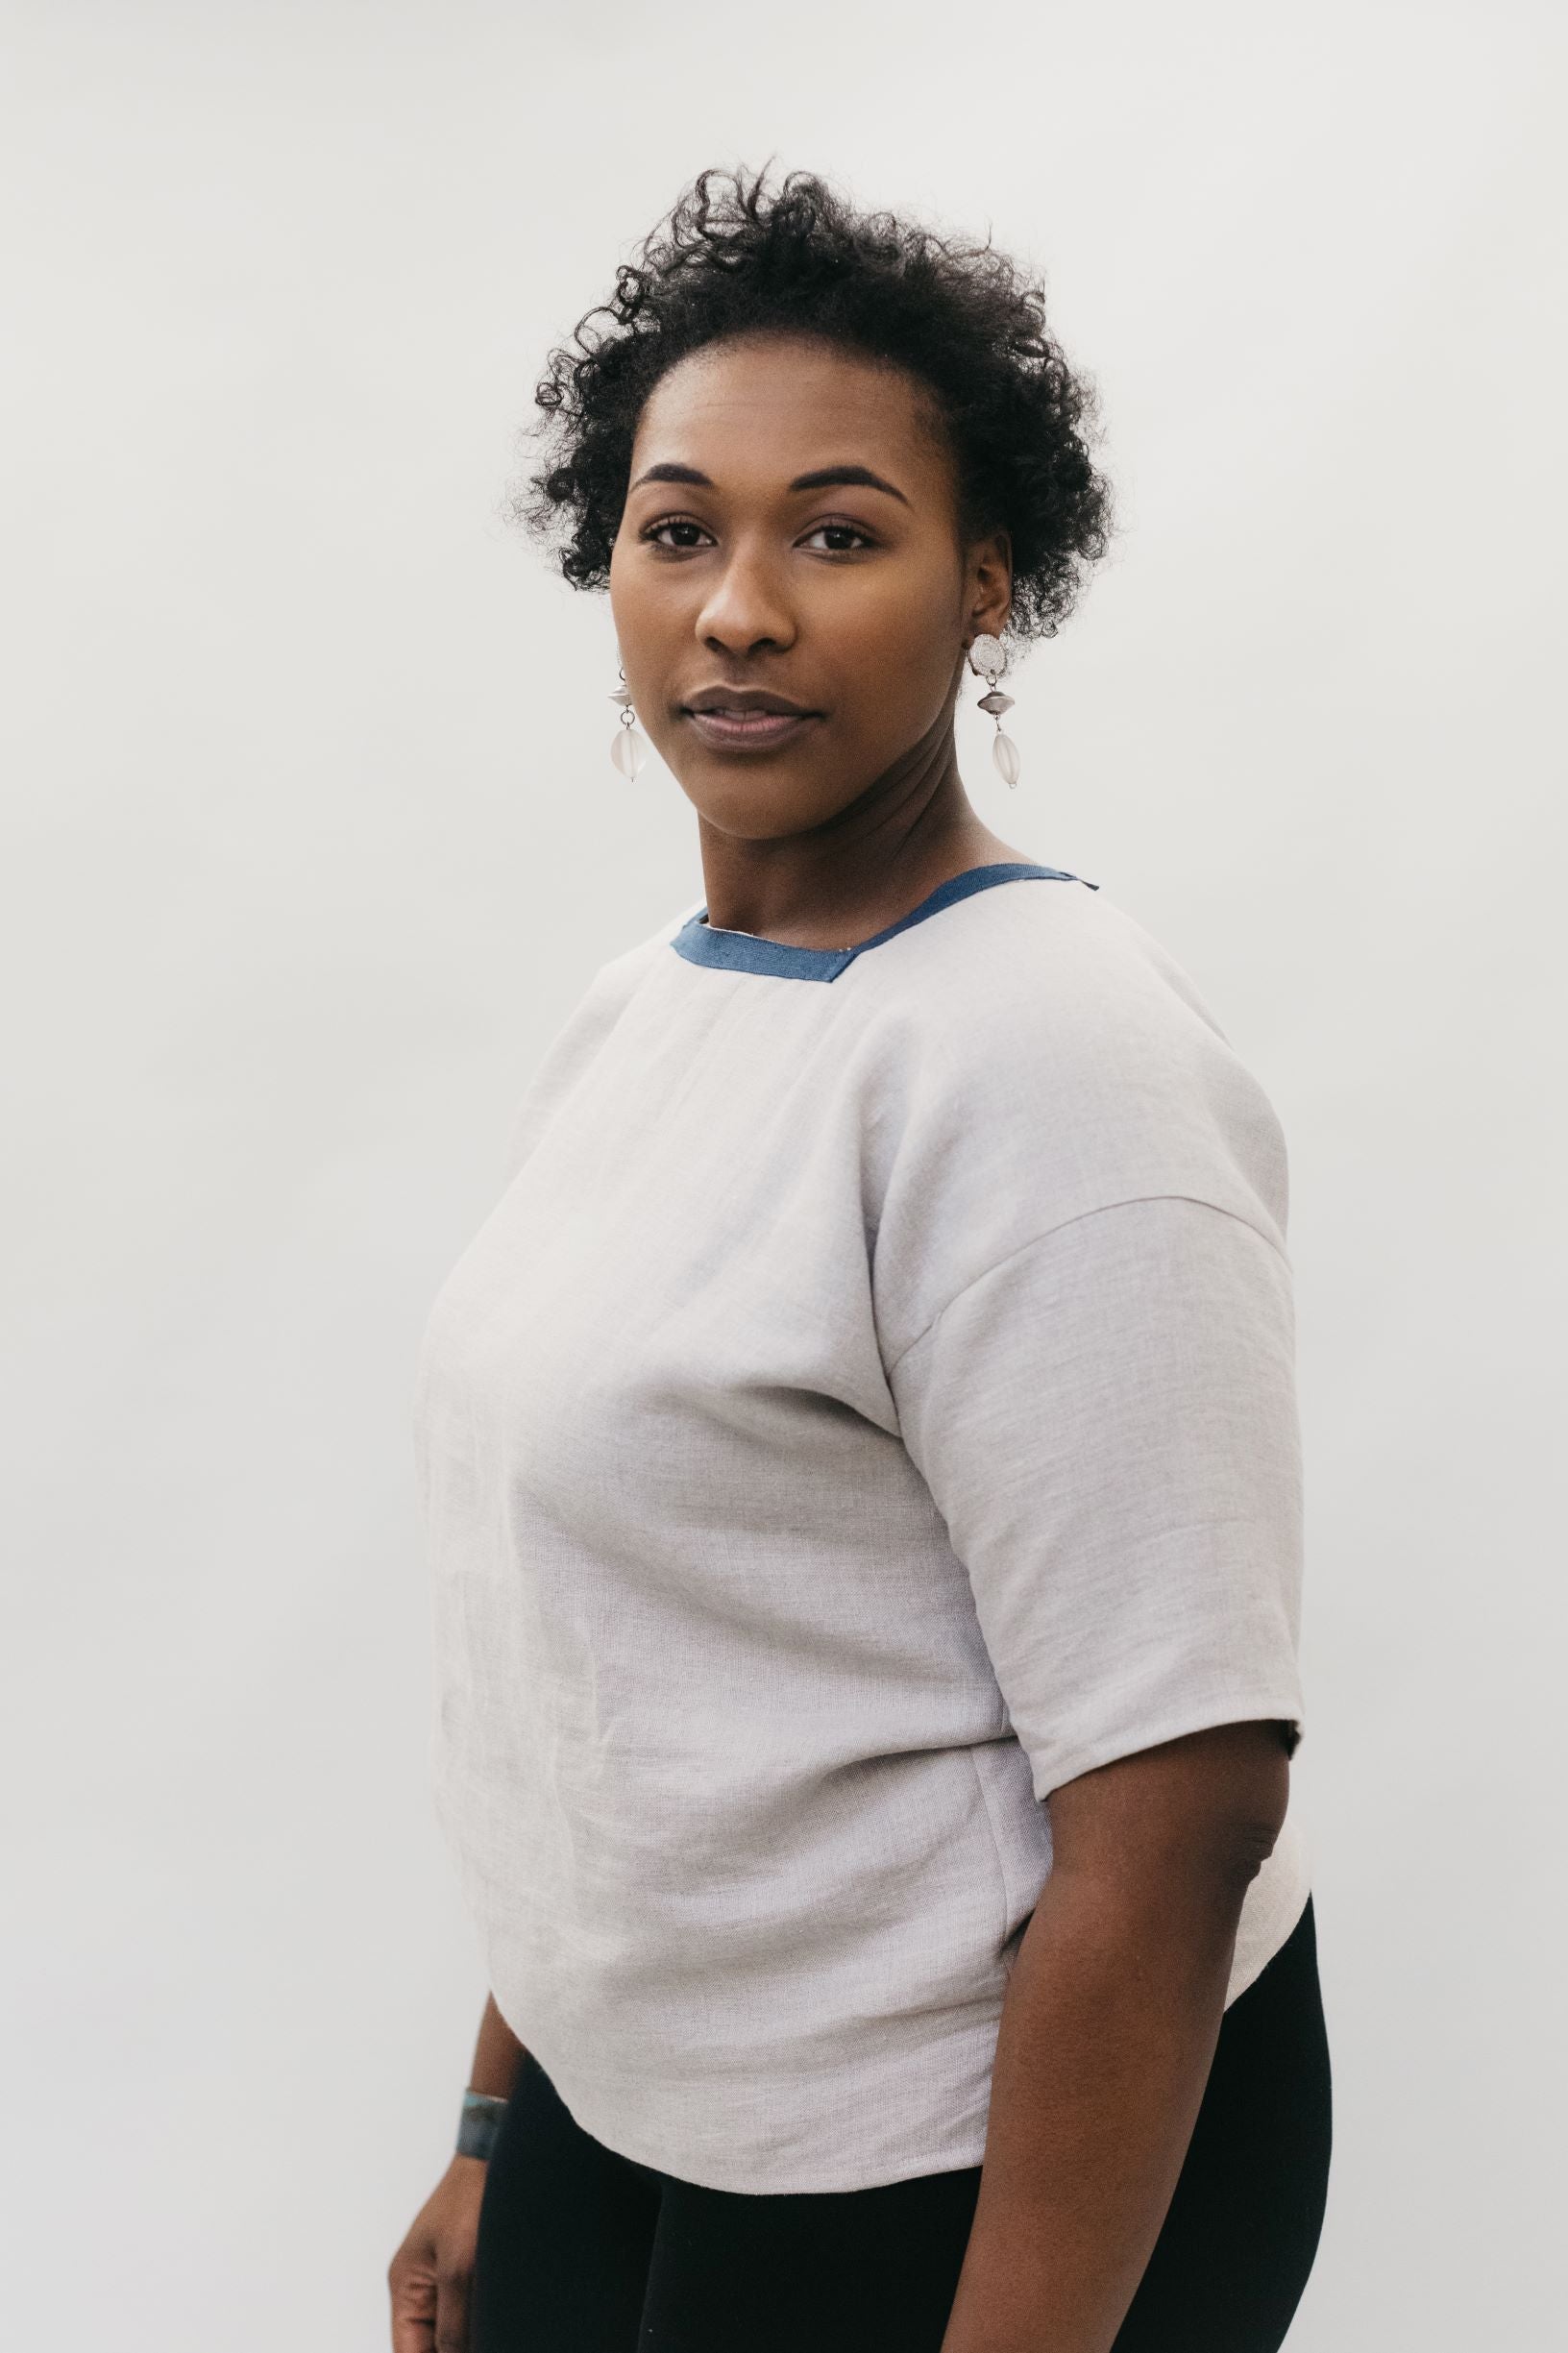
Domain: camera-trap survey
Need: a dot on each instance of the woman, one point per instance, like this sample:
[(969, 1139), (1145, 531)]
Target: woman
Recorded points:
[(859, 1454)]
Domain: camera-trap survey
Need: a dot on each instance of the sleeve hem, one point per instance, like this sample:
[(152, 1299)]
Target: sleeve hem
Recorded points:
[(1087, 1756)]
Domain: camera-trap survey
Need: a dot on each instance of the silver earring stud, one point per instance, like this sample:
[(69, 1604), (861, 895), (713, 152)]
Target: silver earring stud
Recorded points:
[(988, 659), (630, 746)]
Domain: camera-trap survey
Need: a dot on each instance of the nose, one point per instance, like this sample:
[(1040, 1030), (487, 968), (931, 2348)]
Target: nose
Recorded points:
[(746, 607)]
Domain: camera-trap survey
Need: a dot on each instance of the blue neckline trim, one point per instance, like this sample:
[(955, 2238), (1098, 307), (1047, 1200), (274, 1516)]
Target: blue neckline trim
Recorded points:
[(740, 951)]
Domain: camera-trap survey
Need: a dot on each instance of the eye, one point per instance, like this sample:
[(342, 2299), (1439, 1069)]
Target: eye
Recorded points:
[(839, 531), (672, 523)]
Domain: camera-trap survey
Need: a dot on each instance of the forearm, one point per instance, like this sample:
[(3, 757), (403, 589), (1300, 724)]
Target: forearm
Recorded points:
[(497, 2055), (1106, 2040)]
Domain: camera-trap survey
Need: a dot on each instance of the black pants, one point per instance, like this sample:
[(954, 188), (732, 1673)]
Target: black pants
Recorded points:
[(582, 2251)]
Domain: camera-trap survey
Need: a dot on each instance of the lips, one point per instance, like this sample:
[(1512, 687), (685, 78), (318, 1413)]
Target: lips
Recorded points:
[(745, 698), (750, 723)]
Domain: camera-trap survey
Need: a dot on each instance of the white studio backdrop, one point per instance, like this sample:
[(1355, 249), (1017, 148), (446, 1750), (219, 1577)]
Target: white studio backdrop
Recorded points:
[(313, 841)]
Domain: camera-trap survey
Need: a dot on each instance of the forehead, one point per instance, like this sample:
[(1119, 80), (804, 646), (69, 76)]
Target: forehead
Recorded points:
[(763, 405)]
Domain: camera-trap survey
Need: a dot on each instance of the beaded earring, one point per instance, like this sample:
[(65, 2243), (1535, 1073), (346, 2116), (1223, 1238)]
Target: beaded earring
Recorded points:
[(988, 659), (629, 748)]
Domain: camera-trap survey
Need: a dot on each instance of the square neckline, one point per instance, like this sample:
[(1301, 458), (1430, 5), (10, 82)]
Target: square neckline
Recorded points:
[(702, 942)]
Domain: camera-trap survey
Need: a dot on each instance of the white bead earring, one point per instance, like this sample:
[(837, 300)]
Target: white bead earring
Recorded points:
[(988, 659), (629, 748)]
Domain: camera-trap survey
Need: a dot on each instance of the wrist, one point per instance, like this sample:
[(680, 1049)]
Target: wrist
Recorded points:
[(479, 2121)]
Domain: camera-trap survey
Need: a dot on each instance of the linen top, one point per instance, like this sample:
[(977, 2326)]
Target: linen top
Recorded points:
[(869, 1405)]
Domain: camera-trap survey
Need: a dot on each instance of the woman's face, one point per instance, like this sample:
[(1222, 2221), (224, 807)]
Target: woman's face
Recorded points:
[(790, 533)]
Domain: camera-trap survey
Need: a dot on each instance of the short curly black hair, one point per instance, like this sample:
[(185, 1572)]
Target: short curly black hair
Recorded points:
[(733, 256)]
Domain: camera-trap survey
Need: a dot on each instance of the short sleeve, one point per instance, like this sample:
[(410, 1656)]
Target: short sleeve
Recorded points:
[(1107, 1422)]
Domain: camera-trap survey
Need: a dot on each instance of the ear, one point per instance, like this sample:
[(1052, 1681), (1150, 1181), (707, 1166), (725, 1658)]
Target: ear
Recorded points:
[(987, 582)]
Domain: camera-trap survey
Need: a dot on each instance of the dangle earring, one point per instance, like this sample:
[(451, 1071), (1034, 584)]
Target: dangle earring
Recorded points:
[(988, 659), (629, 748)]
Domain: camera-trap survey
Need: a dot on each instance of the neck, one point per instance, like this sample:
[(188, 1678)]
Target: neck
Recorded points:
[(841, 883)]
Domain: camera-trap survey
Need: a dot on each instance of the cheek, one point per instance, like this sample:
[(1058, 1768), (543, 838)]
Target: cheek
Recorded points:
[(915, 600), (651, 624), (629, 568), (902, 643), (622, 597)]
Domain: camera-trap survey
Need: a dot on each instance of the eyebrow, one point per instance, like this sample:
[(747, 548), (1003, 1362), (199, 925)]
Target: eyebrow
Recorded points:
[(822, 477)]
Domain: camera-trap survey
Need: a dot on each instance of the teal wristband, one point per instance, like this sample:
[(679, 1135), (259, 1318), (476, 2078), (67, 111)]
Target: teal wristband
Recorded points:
[(478, 2124)]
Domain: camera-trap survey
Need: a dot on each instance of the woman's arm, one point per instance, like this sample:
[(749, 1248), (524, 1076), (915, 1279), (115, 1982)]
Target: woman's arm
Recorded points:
[(1108, 2032), (429, 2276), (497, 2055)]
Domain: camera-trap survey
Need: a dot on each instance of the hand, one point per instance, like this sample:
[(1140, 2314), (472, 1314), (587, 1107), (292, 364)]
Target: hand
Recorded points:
[(430, 2274)]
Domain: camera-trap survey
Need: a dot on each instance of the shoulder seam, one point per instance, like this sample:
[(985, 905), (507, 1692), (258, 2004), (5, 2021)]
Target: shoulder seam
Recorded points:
[(1099, 1210)]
